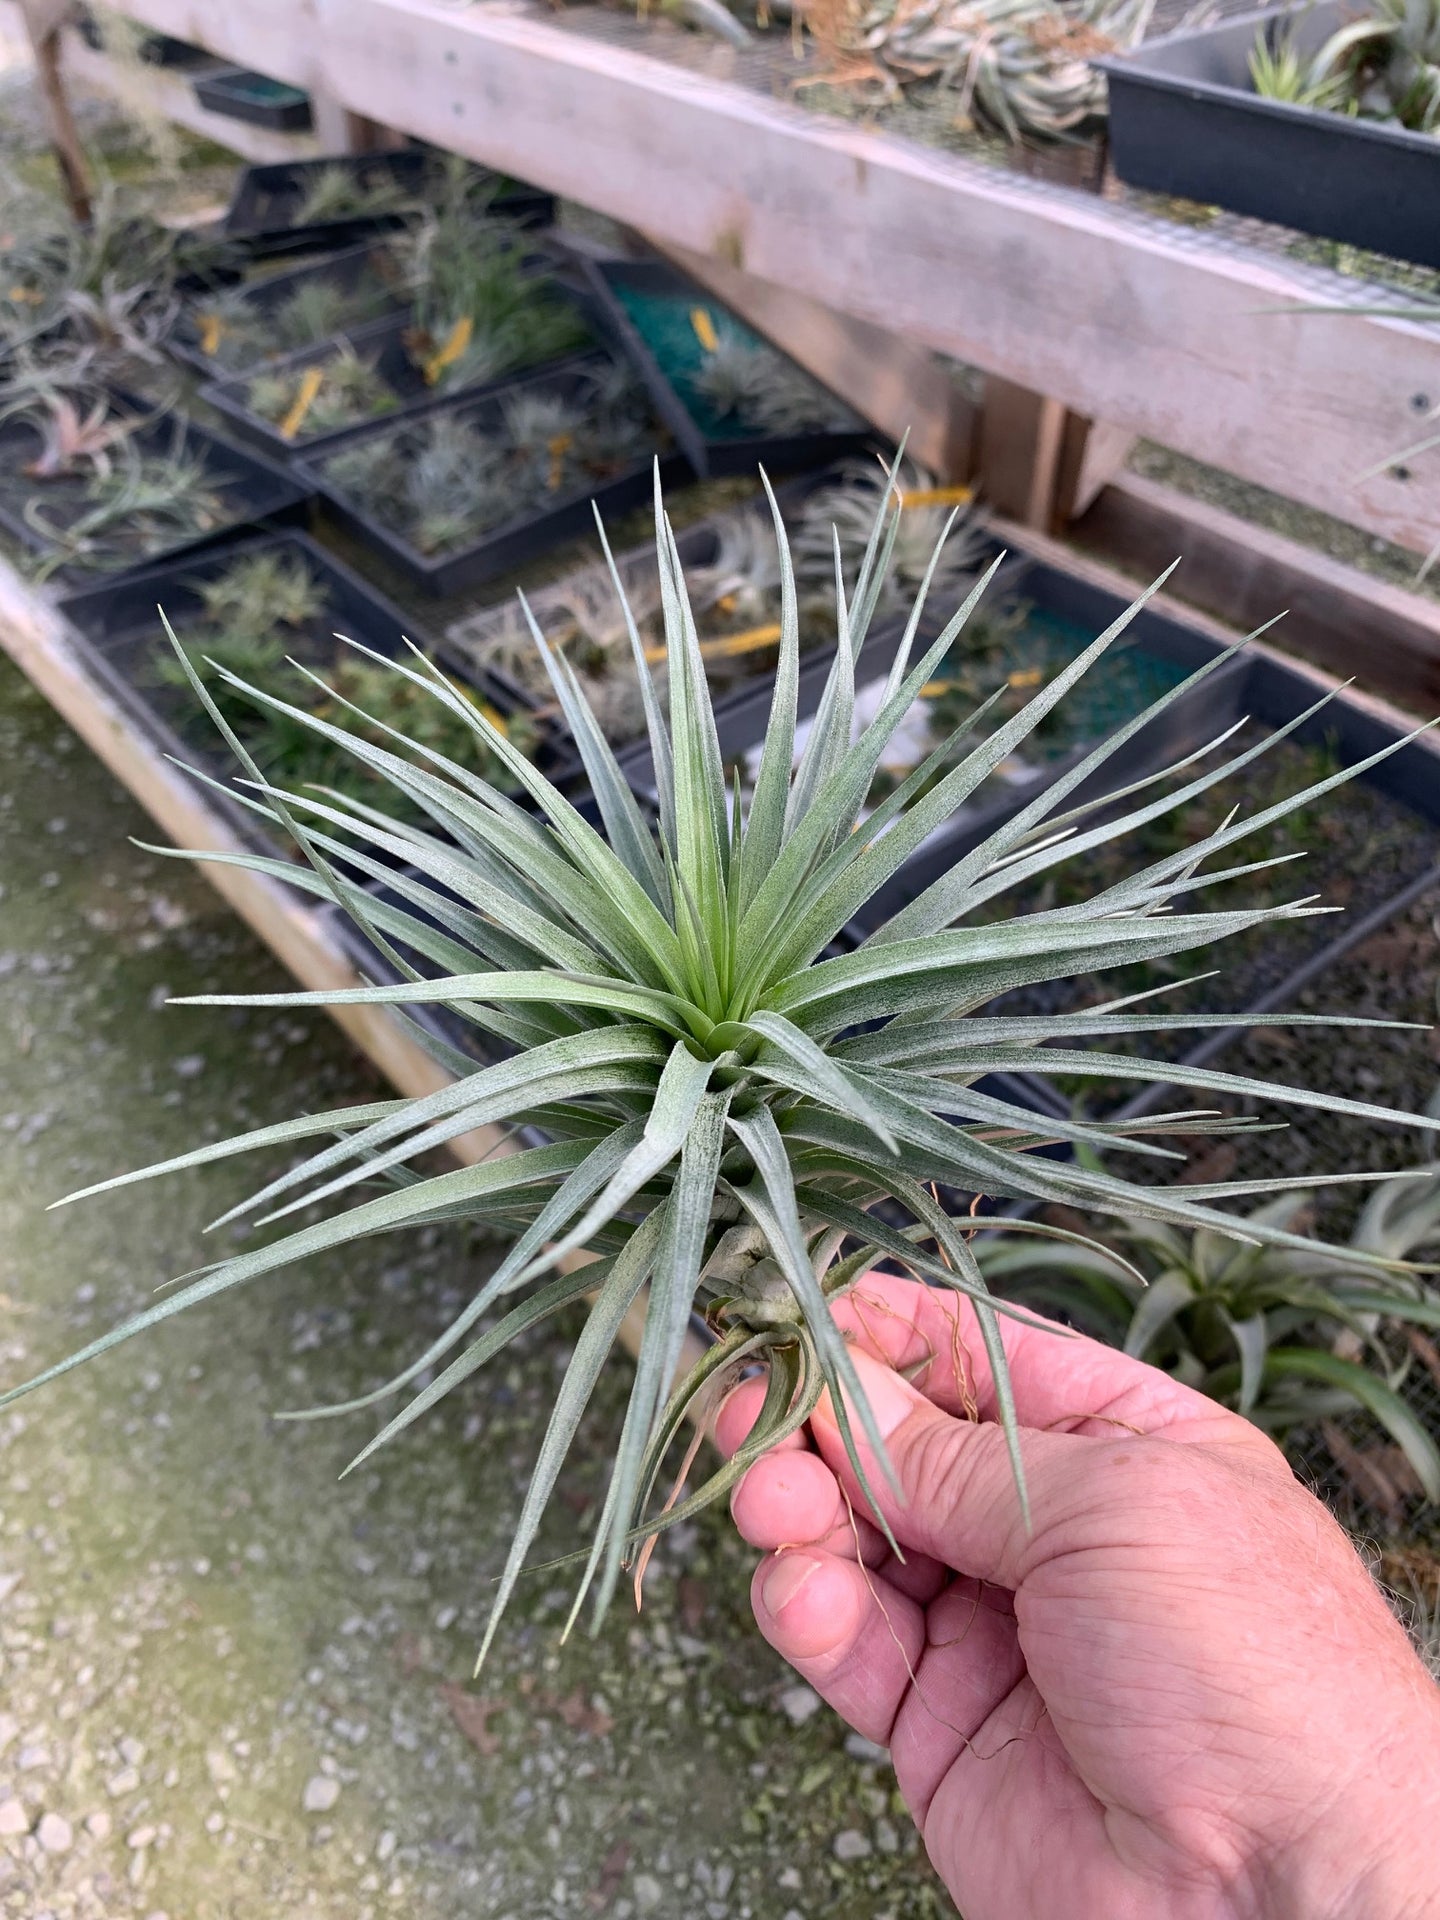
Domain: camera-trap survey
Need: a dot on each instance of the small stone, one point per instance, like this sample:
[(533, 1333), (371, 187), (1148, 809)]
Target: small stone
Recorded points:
[(887, 1839), (119, 1784), (850, 1845), (29, 1758), (446, 1618), (799, 1704), (789, 1878), (385, 1846), (140, 1837), (321, 1793), (131, 1751), (55, 1833), (220, 1766), (859, 1748), (792, 1913), (214, 1823), (13, 1818), (647, 1892), (97, 1825)]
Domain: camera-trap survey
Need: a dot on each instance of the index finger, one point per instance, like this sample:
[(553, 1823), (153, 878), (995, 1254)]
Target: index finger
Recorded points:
[(1062, 1381)]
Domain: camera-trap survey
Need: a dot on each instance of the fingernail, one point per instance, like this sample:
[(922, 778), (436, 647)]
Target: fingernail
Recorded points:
[(785, 1580), (890, 1398)]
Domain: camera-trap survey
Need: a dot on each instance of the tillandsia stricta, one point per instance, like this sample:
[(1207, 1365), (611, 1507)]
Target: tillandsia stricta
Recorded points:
[(698, 1089)]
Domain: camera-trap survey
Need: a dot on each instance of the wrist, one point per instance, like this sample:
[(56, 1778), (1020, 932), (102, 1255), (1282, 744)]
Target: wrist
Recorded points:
[(1372, 1859)]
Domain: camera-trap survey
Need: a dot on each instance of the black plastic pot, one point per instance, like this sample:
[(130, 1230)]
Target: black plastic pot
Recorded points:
[(1185, 120), (121, 627), (381, 344), (351, 269), (268, 201), (251, 489), (518, 540), (627, 288), (256, 99)]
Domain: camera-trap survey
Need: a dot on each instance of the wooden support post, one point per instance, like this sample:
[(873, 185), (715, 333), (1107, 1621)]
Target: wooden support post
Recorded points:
[(340, 131), (1039, 463), (43, 21)]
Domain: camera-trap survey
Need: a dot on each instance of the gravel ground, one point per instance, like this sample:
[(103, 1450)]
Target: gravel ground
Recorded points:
[(231, 1688)]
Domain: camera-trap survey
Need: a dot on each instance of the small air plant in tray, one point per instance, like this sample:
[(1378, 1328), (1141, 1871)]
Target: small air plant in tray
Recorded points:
[(472, 487), (732, 1115), (731, 399), (461, 335), (301, 205), (238, 327), (98, 484), (274, 609)]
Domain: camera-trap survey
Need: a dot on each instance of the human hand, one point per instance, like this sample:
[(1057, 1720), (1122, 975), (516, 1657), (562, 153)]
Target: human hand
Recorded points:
[(1178, 1694)]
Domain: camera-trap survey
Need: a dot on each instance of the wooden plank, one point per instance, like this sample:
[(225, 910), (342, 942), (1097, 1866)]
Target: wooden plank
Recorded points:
[(1342, 619), (170, 94), (1159, 329), (898, 387)]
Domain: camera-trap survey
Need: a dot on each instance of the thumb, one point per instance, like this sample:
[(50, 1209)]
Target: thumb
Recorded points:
[(958, 1499)]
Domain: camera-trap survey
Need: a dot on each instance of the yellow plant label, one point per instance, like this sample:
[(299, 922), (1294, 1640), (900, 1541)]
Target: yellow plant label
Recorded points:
[(937, 497), (704, 328), (450, 349), (311, 382)]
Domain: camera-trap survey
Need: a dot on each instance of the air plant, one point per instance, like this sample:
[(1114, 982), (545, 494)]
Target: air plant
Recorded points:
[(848, 505), (129, 503), (236, 329), (254, 617), (480, 307), (729, 1117), (1384, 65), (734, 595), (758, 387), (447, 480), (339, 191), (107, 288), (1022, 67), (340, 390), (1288, 1335)]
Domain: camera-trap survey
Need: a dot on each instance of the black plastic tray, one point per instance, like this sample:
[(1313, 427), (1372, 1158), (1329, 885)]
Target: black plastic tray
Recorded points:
[(1185, 120), (123, 630), (518, 540), (268, 198), (256, 99), (381, 341), (349, 267), (710, 456), (261, 492)]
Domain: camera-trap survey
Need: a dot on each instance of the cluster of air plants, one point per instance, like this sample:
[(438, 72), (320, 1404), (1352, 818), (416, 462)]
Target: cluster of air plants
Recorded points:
[(747, 381), (1383, 65), (1289, 1335), (343, 191), (341, 389), (481, 308), (236, 330), (88, 297), (99, 492), (728, 1116), (265, 618), (1020, 67), (444, 482)]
